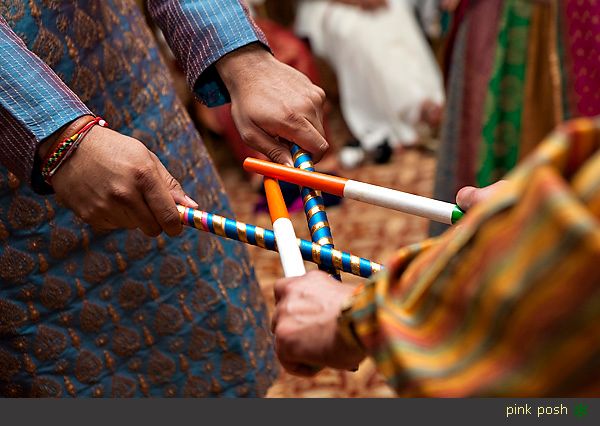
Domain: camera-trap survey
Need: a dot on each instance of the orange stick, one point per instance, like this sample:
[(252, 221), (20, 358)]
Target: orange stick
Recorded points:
[(331, 184), (439, 211), (277, 207), (289, 253)]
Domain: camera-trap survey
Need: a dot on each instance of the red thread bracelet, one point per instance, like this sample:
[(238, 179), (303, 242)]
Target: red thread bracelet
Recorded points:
[(61, 152)]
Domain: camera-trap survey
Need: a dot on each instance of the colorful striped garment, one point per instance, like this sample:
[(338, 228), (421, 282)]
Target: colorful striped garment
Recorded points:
[(508, 302)]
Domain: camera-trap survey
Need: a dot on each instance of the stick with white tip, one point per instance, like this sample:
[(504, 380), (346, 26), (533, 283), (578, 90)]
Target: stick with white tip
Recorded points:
[(289, 253), (417, 205)]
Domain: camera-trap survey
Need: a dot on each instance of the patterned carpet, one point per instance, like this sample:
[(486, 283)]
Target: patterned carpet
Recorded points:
[(367, 231)]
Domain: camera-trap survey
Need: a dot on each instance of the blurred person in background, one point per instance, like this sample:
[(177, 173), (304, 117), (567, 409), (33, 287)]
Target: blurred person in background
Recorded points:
[(388, 78), (515, 69)]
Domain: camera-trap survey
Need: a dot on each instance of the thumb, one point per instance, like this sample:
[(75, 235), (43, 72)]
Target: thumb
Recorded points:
[(469, 196), (174, 187), (277, 150), (466, 197), (280, 154)]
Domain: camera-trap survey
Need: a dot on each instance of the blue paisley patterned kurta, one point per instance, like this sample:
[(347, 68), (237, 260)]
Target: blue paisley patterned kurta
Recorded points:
[(120, 314)]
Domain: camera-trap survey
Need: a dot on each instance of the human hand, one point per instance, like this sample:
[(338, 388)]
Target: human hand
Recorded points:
[(365, 4), (272, 102), (469, 196), (306, 326), (113, 181)]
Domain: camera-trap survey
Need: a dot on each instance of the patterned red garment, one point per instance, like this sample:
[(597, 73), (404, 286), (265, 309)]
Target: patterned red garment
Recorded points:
[(582, 55), (562, 81)]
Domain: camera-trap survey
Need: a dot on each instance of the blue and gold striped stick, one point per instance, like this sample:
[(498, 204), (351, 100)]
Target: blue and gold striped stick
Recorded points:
[(256, 236), (318, 224)]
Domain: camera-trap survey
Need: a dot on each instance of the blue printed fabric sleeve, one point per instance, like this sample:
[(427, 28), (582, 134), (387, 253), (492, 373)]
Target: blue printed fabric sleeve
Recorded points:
[(34, 103), (200, 32)]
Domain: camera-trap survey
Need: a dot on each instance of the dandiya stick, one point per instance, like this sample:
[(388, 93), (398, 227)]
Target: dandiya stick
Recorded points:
[(256, 236), (373, 194), (314, 208), (285, 236)]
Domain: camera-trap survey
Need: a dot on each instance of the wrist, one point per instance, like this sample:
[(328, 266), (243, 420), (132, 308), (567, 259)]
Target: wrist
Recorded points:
[(62, 133), (234, 65), (62, 151)]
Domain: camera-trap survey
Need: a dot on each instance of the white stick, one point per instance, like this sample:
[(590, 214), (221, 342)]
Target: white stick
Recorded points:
[(287, 245), (401, 201)]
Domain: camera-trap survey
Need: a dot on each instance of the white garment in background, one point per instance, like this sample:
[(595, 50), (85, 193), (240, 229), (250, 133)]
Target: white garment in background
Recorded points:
[(384, 65), (430, 16), (252, 5)]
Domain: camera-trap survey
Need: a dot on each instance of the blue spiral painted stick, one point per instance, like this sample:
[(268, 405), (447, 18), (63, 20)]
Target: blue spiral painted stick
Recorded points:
[(318, 224), (256, 236)]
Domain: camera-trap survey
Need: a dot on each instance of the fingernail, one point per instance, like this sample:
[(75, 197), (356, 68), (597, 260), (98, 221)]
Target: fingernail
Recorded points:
[(190, 202)]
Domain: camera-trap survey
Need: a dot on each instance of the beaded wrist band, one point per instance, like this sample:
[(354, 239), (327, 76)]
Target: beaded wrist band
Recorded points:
[(61, 152)]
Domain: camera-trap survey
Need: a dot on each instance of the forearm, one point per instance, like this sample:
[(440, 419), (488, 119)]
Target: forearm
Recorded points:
[(34, 104), (202, 32)]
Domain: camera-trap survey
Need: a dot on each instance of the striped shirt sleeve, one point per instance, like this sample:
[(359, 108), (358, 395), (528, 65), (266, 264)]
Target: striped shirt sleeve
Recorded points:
[(508, 303), (34, 103), (200, 32)]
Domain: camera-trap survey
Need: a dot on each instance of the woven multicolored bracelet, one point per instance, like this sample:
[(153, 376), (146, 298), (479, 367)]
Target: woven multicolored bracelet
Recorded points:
[(61, 152)]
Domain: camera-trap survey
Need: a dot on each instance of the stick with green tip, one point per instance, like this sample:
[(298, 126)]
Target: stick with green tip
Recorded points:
[(417, 205)]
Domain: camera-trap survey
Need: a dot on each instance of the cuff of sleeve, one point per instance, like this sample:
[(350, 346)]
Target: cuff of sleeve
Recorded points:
[(19, 144), (362, 315), (376, 294), (209, 87)]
